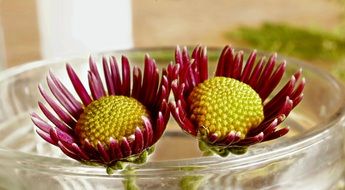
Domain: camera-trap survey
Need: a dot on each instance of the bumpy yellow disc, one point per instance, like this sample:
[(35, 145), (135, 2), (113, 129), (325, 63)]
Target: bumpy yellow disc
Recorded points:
[(221, 105), (110, 116)]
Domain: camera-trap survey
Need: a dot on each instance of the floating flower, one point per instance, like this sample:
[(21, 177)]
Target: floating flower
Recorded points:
[(118, 122), (233, 109)]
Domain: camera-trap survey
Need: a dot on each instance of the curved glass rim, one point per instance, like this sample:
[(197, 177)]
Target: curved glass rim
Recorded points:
[(173, 167)]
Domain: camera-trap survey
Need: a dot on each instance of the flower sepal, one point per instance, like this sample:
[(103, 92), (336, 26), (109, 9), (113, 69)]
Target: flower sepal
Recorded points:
[(209, 150), (135, 159)]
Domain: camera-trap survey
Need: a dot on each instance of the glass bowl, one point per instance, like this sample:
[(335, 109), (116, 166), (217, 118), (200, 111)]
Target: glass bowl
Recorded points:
[(311, 156)]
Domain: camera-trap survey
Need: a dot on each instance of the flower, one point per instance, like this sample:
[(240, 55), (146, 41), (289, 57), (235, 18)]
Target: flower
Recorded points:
[(118, 122), (233, 109)]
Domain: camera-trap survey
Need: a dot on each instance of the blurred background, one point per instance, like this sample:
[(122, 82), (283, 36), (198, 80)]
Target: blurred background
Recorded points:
[(40, 29)]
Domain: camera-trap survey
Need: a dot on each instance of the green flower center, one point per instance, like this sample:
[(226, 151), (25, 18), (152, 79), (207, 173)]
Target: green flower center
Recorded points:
[(110, 116), (221, 105)]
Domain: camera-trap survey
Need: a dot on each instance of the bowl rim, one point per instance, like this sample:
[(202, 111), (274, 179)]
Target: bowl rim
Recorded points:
[(173, 167)]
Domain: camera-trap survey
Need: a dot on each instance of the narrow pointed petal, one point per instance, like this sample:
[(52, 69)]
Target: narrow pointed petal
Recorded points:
[(251, 140), (95, 88), (80, 152), (148, 132), (203, 64), (228, 64), (266, 73), (248, 67), (116, 76), (108, 77), (68, 152), (125, 147), (281, 96), (94, 70), (277, 134), (64, 101), (272, 82), (103, 152), (254, 77), (139, 141), (126, 76), (115, 150), (78, 86), (136, 82), (41, 124), (45, 136), (58, 110), (229, 139), (57, 122), (77, 104), (221, 61), (212, 137), (237, 66)]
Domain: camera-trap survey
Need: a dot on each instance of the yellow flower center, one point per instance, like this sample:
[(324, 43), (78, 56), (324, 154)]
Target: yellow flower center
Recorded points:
[(110, 116), (221, 105)]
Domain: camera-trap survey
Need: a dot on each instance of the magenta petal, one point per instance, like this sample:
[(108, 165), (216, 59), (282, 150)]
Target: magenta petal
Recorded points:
[(266, 73), (126, 76), (91, 151), (212, 137), (254, 77), (136, 82), (78, 86), (80, 152), (125, 147), (148, 73), (229, 60), (277, 134), (152, 89), (221, 61), (160, 127), (40, 123), (181, 119), (139, 141), (103, 152), (281, 96), (63, 137), (271, 128), (108, 77), (272, 82), (115, 150), (64, 101), (229, 139), (148, 133), (185, 55), (203, 64), (178, 55), (94, 70), (45, 136), (251, 140), (298, 91), (95, 88), (68, 152), (58, 110), (57, 122), (116, 76), (67, 93), (248, 67), (237, 66)]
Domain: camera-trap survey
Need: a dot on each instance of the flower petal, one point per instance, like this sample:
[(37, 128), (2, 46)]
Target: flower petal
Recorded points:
[(78, 86), (126, 76), (108, 77)]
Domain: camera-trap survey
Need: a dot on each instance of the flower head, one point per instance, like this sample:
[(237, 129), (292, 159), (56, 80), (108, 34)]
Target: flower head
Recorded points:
[(235, 108), (116, 122)]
